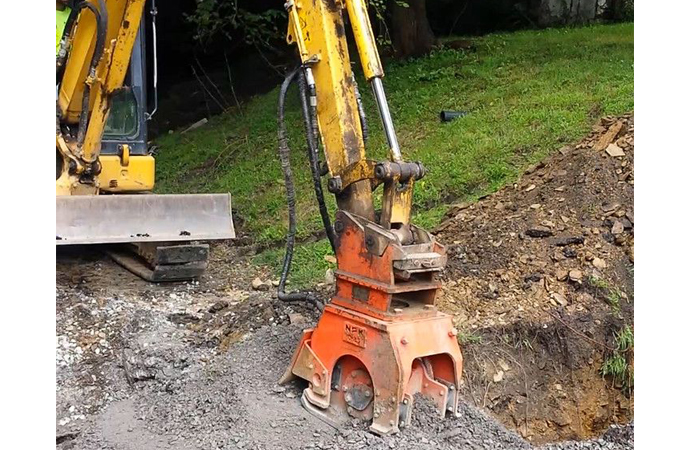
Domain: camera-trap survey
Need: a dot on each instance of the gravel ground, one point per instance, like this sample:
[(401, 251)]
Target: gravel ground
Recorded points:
[(160, 389)]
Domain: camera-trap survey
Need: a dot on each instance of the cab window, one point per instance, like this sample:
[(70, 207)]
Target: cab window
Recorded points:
[(123, 120)]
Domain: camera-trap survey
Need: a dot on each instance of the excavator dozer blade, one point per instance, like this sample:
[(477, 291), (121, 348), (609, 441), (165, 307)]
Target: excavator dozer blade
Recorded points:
[(110, 219)]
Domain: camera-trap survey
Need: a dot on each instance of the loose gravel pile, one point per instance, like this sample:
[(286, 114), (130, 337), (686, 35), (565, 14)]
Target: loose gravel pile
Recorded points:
[(180, 400)]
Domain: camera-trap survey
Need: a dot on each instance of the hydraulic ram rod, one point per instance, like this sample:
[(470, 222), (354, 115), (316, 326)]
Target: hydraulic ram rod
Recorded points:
[(386, 118)]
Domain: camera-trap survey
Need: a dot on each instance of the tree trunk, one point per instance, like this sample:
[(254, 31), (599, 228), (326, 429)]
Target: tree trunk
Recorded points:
[(410, 30)]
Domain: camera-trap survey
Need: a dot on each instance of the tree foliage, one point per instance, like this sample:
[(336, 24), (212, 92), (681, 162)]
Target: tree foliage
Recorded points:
[(237, 20)]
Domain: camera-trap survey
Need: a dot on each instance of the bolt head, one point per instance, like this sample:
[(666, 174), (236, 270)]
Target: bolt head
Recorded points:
[(453, 332), (404, 341), (335, 185)]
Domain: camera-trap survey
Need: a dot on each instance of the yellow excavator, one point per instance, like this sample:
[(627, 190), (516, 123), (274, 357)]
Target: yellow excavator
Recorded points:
[(104, 172), (380, 344)]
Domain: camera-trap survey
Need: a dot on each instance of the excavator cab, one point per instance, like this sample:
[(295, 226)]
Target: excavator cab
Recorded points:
[(127, 121), (127, 130), (104, 171)]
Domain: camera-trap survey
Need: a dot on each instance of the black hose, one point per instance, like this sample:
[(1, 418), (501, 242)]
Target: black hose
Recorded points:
[(284, 154), (308, 114), (101, 31)]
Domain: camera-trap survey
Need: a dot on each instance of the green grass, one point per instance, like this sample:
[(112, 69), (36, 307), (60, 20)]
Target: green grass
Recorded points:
[(611, 294), (308, 263), (468, 338), (614, 299), (616, 364), (528, 93)]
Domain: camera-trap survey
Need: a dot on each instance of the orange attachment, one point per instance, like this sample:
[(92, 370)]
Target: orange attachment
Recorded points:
[(381, 340)]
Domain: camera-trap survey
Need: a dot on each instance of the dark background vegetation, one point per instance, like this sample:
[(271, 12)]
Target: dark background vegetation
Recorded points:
[(215, 54)]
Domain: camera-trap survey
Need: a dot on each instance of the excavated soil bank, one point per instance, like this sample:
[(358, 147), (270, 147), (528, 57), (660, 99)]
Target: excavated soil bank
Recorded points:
[(539, 279)]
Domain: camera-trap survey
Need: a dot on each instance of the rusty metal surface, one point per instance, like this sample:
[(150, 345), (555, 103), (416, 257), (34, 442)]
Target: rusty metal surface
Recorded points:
[(101, 219)]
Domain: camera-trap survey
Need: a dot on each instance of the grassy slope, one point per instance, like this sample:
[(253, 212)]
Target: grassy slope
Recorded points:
[(528, 93)]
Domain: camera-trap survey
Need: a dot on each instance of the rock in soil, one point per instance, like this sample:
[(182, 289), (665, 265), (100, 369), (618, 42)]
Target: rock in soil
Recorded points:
[(539, 232), (259, 285), (614, 150)]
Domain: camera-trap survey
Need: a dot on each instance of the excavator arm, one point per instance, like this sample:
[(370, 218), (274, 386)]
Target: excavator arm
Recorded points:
[(380, 342), (319, 32)]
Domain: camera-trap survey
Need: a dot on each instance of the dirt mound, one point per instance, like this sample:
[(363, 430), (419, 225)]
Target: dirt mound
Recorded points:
[(540, 278)]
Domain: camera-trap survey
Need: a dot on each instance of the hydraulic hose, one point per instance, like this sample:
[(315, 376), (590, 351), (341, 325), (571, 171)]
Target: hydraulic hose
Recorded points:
[(284, 154), (308, 113), (101, 30)]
